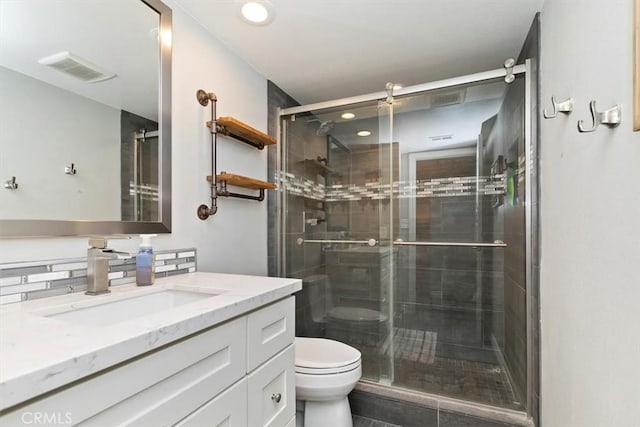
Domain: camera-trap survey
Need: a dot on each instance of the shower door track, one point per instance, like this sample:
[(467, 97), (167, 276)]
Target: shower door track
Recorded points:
[(439, 84)]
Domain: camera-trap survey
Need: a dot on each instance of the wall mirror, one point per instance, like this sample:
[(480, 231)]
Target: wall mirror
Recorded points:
[(85, 117)]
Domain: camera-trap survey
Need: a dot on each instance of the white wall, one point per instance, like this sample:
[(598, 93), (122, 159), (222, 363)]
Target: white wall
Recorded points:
[(590, 270), (235, 239), (45, 128)]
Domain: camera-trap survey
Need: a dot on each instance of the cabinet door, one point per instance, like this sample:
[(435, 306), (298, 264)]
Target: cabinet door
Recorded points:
[(269, 330), (229, 409), (271, 394), (157, 389)]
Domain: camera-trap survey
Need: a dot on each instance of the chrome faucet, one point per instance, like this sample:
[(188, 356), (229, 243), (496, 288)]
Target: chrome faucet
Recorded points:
[(98, 256)]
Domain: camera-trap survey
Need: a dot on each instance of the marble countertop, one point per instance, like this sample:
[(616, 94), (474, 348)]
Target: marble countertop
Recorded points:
[(40, 353)]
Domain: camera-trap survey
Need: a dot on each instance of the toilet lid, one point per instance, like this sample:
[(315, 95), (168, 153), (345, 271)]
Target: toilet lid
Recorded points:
[(356, 314), (328, 356)]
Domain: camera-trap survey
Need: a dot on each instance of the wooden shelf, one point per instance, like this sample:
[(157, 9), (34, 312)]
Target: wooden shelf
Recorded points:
[(243, 132), (243, 181)]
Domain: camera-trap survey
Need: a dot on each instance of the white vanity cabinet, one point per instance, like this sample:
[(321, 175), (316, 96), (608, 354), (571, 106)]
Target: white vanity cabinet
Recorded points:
[(239, 373)]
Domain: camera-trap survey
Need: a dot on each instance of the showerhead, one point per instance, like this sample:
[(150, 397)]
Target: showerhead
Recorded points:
[(324, 128)]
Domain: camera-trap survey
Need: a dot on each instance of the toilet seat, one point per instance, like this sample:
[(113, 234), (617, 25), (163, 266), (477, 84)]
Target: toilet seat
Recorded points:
[(320, 356), (328, 371)]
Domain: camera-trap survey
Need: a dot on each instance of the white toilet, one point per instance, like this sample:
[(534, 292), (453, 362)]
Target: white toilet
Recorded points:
[(326, 371)]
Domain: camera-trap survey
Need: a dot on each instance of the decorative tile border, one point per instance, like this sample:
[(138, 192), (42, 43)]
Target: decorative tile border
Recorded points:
[(41, 279), (147, 191), (441, 187)]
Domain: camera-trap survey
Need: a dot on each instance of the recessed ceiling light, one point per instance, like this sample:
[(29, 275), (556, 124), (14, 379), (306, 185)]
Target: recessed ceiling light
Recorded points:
[(257, 12), (363, 133), (348, 116)]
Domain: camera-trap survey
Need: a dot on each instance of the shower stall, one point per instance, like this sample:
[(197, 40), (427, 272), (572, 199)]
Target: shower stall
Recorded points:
[(139, 168), (407, 214)]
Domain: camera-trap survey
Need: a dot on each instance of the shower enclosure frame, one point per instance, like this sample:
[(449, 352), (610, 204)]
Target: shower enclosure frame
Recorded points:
[(532, 313), (138, 139)]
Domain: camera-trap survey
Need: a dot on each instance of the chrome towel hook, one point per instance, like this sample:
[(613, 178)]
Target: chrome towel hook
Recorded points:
[(11, 184), (611, 117), (70, 170), (565, 107)]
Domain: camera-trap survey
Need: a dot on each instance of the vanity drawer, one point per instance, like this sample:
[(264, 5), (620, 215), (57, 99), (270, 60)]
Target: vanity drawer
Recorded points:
[(227, 409), (269, 330), (153, 389), (271, 393)]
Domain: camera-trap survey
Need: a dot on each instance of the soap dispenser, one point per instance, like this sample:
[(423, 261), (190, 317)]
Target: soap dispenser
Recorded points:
[(145, 263)]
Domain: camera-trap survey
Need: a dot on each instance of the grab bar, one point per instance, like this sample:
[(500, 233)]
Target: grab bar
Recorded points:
[(495, 244), (370, 242)]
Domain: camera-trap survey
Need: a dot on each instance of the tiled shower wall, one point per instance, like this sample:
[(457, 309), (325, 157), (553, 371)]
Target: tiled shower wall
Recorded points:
[(506, 138), (276, 98), (40, 279), (303, 144), (531, 50), (448, 280)]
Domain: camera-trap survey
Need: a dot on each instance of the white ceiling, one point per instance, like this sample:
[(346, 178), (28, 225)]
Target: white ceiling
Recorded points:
[(319, 50)]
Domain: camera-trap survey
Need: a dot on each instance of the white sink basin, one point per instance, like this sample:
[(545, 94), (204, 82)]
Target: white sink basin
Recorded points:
[(109, 312)]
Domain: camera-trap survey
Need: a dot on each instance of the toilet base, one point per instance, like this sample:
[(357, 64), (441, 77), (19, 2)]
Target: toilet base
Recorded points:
[(334, 413)]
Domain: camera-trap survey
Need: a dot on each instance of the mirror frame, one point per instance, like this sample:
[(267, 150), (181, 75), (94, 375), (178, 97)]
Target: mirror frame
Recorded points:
[(43, 228)]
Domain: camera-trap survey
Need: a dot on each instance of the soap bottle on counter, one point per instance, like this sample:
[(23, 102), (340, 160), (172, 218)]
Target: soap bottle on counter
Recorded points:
[(145, 262)]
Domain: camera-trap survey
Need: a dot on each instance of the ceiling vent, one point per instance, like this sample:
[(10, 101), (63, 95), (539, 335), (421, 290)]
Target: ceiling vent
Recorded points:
[(447, 98), (441, 137), (77, 67)]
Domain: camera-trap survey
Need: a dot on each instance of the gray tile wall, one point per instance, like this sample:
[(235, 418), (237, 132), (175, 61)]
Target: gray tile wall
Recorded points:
[(508, 141), (531, 49), (276, 98), (304, 144), (40, 279), (459, 291)]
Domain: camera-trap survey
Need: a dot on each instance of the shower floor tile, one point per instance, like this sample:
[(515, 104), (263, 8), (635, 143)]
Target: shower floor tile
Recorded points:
[(480, 382)]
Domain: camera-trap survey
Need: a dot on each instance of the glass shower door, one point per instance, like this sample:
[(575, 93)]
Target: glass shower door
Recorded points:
[(458, 146), (334, 165)]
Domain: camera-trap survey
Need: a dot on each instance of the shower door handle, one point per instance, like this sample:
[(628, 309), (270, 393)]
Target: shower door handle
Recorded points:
[(495, 244), (370, 242)]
